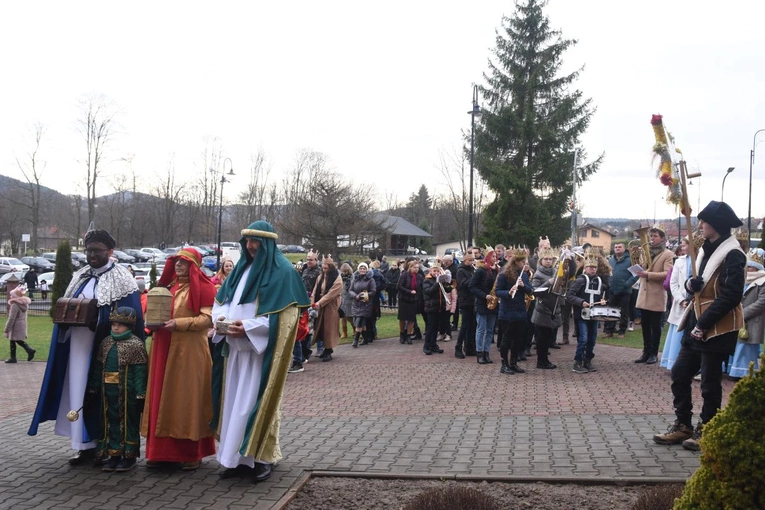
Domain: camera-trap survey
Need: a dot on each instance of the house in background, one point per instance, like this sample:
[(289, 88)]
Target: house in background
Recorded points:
[(400, 235), (596, 236)]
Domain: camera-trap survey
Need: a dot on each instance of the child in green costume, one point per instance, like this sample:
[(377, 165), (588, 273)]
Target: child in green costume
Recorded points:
[(119, 374)]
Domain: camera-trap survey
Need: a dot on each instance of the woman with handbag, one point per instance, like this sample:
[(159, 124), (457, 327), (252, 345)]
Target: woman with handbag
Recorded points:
[(327, 298), (362, 293)]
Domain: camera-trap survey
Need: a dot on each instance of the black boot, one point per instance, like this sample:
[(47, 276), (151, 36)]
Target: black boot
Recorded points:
[(506, 368), (480, 358), (30, 352), (514, 365), (402, 338), (643, 358), (458, 353), (486, 357), (365, 338), (12, 359), (356, 339), (417, 334)]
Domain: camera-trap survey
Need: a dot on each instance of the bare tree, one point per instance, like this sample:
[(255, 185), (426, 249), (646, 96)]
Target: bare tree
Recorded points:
[(325, 209), (77, 201), (32, 168), (96, 124), (208, 183), (117, 207), (455, 170), (256, 198), (169, 193)]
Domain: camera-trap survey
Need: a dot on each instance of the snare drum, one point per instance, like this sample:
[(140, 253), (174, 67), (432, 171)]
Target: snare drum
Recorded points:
[(602, 313)]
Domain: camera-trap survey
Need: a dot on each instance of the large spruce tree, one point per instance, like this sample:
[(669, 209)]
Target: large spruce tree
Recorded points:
[(530, 128)]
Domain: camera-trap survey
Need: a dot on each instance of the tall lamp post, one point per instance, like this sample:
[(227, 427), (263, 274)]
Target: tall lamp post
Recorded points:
[(220, 205), (575, 205), (475, 114), (722, 193), (749, 211)]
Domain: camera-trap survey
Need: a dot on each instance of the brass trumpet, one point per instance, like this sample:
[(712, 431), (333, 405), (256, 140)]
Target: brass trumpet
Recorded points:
[(639, 249)]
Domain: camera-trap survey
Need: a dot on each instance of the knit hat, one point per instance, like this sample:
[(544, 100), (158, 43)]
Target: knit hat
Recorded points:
[(364, 264), (720, 216)]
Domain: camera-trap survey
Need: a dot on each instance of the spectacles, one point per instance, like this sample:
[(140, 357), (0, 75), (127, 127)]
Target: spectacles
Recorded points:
[(95, 251)]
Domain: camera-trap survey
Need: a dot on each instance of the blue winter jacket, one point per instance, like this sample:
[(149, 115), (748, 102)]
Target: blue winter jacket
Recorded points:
[(621, 280), (512, 309)]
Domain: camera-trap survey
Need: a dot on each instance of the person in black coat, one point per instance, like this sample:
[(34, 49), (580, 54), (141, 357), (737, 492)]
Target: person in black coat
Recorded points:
[(513, 286), (711, 337), (480, 286), (391, 282), (435, 306), (466, 306), (409, 294)]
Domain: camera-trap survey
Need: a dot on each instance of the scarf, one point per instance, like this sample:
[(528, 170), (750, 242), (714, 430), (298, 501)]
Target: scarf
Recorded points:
[(751, 279), (331, 276), (413, 281)]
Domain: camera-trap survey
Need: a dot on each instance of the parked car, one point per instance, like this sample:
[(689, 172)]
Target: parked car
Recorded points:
[(6, 276), (138, 255), (455, 252), (12, 265), (155, 253), (210, 262), (39, 264), (293, 248), (80, 258), (170, 251), (123, 257)]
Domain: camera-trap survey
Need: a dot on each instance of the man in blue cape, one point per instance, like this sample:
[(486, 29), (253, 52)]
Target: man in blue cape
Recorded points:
[(73, 347), (259, 306)]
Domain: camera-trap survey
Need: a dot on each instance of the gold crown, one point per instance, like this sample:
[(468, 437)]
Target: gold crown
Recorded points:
[(327, 259), (590, 258), (122, 315), (743, 238), (659, 226), (548, 253), (757, 255), (519, 252)]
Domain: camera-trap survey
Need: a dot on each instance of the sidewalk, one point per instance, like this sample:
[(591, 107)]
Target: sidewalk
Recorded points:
[(386, 409)]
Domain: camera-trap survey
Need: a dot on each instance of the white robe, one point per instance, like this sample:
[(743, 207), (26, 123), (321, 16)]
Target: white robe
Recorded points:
[(242, 377), (76, 378)]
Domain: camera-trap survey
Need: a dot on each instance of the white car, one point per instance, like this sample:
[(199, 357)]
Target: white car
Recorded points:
[(156, 254), (48, 277), (12, 265)]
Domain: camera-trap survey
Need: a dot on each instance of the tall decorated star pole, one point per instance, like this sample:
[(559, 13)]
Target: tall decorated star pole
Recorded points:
[(673, 173)]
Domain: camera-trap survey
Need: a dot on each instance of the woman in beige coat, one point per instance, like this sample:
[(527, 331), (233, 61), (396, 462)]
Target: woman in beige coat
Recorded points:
[(327, 298), (16, 325)]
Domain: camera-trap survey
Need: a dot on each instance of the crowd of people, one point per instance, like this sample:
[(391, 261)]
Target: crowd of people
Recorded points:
[(217, 367)]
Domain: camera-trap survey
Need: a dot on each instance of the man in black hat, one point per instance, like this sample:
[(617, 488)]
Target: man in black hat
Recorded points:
[(710, 323)]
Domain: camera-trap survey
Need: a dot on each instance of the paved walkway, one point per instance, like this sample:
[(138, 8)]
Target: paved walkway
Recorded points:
[(381, 410)]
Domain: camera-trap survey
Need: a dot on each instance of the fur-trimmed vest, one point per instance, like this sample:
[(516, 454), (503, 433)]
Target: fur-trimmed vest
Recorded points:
[(733, 320)]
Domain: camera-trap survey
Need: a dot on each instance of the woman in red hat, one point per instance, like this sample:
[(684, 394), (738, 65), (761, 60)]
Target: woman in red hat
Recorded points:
[(176, 418)]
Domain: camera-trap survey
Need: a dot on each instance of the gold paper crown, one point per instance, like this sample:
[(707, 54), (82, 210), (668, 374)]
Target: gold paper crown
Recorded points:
[(743, 238), (548, 253), (544, 239), (123, 315), (659, 226), (590, 258), (757, 255), (487, 249), (519, 252), (328, 259)]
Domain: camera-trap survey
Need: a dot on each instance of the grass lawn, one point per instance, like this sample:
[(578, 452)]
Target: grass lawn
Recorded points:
[(40, 327)]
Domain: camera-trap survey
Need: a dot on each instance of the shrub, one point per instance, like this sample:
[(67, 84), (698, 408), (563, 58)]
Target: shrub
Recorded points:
[(62, 274), (153, 275), (453, 498), (733, 452), (659, 497)]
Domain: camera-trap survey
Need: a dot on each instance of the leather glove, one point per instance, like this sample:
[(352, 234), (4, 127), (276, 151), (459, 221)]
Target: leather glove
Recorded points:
[(697, 334), (694, 284)]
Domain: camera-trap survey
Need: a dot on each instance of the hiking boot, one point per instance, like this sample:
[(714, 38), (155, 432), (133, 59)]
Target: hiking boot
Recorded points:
[(579, 368), (676, 434), (588, 365), (692, 443), (620, 336), (295, 368)]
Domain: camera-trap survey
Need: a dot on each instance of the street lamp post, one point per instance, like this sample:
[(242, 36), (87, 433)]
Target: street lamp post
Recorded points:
[(722, 193), (220, 205), (475, 114), (573, 198), (749, 211)]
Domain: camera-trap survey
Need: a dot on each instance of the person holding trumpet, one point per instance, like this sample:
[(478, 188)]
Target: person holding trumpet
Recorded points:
[(587, 290), (513, 286)]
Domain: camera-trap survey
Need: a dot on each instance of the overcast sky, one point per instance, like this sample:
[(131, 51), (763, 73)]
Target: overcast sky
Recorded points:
[(381, 88)]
